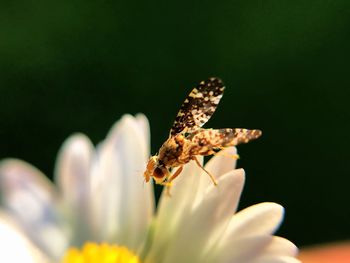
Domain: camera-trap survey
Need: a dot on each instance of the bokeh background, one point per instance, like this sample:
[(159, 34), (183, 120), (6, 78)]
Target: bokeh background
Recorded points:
[(68, 66)]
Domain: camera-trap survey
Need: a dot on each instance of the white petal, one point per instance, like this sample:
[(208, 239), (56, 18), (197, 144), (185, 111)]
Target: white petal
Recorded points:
[(258, 219), (252, 248), (244, 249), (174, 209), (223, 162), (197, 234), (188, 189), (127, 203), (31, 199), (143, 123), (15, 247), (276, 259), (281, 247), (72, 174)]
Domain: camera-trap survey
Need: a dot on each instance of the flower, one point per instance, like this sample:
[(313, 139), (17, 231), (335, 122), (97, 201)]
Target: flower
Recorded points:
[(102, 204)]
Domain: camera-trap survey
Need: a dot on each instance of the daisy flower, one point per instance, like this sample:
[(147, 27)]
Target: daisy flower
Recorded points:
[(101, 210)]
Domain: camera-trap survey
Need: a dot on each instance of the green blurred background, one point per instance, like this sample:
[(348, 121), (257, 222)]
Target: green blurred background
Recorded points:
[(68, 66)]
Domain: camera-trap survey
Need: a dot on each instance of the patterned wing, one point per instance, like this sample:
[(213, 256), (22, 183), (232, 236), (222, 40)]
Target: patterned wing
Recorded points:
[(207, 140), (198, 107)]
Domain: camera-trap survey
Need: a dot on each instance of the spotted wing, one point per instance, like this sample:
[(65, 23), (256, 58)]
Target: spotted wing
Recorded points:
[(198, 107), (207, 140)]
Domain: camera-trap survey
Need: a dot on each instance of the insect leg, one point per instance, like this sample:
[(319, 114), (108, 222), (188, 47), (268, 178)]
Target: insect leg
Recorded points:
[(168, 183), (221, 153), (211, 176), (176, 174)]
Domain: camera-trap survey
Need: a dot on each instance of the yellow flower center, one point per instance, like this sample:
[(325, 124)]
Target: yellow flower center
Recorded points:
[(100, 253)]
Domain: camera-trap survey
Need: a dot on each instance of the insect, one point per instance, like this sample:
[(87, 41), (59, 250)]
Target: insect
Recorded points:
[(187, 139)]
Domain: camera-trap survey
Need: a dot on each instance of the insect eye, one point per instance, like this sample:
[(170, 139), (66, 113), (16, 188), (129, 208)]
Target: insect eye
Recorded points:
[(158, 173)]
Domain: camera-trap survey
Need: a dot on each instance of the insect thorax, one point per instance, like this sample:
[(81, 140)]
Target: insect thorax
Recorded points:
[(172, 151)]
